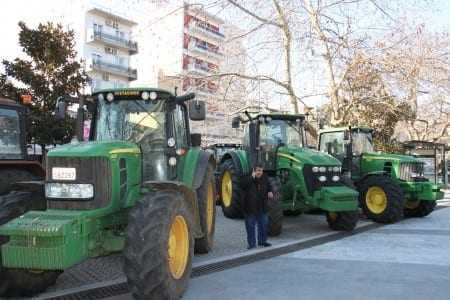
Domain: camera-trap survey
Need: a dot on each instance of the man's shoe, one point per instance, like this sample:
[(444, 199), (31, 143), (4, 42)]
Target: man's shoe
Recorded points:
[(250, 247), (266, 244)]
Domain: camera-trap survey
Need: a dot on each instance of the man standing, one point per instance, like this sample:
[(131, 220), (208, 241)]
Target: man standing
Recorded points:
[(257, 191)]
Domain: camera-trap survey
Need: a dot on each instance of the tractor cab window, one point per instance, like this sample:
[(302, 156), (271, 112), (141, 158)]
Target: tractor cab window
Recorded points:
[(10, 135), (141, 122), (333, 143), (131, 120), (280, 132), (362, 143)]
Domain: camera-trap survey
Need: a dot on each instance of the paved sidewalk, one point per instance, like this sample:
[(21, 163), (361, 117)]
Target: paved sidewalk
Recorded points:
[(407, 260)]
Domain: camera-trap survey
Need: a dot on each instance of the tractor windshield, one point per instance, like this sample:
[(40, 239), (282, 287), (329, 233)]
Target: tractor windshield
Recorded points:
[(278, 132), (10, 134), (362, 142), (131, 120)]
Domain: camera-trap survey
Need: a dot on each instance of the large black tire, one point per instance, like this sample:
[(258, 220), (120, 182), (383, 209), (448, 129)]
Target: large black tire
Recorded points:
[(20, 282), (147, 248), (342, 221), (207, 212), (275, 209), (392, 196), (232, 206), (420, 209), (27, 283), (10, 176)]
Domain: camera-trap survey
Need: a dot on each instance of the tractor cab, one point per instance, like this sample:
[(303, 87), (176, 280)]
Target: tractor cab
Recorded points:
[(12, 126), (266, 133), (347, 144)]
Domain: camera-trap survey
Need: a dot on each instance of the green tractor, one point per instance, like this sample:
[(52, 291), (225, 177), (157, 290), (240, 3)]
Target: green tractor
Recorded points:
[(141, 185), (304, 179), (390, 186)]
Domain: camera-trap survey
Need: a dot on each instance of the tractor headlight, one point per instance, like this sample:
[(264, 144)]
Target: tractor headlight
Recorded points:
[(315, 169), (69, 190), (322, 178), (322, 169), (337, 169), (335, 178)]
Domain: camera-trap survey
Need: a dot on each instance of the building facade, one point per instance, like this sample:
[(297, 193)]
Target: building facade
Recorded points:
[(200, 53), (107, 49)]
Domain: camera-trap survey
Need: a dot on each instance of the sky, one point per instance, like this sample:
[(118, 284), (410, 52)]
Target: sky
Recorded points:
[(436, 17)]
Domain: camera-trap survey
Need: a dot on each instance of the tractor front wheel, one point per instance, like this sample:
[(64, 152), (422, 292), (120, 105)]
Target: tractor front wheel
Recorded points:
[(159, 246), (419, 208), (230, 190), (275, 210), (381, 199), (207, 211), (343, 220)]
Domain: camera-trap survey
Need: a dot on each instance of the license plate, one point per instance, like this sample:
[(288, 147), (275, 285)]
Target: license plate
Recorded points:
[(64, 173)]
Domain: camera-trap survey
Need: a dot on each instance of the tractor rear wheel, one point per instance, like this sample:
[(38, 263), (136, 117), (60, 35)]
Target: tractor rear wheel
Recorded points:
[(207, 212), (159, 246), (275, 209), (419, 208), (230, 190), (381, 199), (343, 220), (20, 282), (10, 176)]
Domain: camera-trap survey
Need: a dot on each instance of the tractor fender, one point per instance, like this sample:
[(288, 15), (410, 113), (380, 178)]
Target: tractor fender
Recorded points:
[(188, 195), (34, 167), (363, 178), (234, 157), (205, 159)]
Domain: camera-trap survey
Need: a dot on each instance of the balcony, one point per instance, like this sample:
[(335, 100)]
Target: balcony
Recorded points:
[(113, 40), (114, 68), (205, 51), (201, 69), (200, 28)]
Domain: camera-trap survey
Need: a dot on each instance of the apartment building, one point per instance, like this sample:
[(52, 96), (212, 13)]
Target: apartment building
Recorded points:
[(107, 49), (191, 52)]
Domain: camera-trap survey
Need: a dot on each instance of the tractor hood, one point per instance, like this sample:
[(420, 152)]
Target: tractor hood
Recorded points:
[(308, 156), (88, 149), (389, 157)]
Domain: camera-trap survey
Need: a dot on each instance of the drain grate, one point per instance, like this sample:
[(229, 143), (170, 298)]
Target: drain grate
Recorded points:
[(120, 287)]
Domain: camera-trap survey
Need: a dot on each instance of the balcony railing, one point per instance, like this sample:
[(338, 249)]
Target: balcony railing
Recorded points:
[(193, 46), (114, 68), (202, 29), (117, 41)]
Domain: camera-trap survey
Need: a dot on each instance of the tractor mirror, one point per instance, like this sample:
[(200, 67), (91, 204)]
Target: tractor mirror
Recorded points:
[(196, 139), (197, 110), (236, 122), (329, 148), (347, 135), (60, 111)]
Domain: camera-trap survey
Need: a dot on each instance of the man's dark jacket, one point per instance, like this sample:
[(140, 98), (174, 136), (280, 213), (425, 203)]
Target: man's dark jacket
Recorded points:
[(255, 192)]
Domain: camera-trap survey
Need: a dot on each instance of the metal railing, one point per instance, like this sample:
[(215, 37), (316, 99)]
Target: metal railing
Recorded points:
[(114, 68), (116, 40)]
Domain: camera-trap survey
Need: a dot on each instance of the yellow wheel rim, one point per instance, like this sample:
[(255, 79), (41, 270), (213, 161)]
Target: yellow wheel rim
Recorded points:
[(227, 189), (333, 216), (210, 207), (376, 199), (412, 204), (178, 252)]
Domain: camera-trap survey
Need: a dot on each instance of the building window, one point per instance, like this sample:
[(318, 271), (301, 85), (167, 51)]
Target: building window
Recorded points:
[(110, 50), (105, 77), (98, 28), (112, 23)]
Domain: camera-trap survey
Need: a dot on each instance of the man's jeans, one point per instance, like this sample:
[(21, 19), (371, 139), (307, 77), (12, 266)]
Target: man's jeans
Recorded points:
[(250, 225)]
